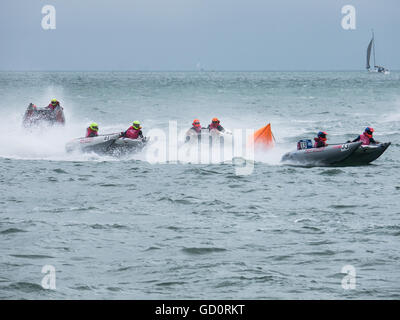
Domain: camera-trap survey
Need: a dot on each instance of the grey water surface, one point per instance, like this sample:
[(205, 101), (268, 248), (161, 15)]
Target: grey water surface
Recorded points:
[(127, 228)]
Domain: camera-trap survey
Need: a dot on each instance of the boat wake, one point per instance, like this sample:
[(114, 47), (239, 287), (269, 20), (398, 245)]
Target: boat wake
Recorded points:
[(48, 143), (44, 142)]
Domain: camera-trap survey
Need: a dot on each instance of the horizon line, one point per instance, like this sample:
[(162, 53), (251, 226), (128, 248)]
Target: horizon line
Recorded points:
[(195, 71)]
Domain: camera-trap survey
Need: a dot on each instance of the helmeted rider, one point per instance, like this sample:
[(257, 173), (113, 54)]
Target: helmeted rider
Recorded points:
[(53, 104), (92, 130), (134, 131), (215, 124), (366, 137), (194, 130), (320, 140)]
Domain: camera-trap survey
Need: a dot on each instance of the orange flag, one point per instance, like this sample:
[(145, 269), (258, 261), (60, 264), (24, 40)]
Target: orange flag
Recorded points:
[(263, 138)]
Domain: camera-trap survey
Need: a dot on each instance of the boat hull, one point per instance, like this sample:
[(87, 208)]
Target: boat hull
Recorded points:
[(366, 154), (38, 116), (99, 144), (379, 71), (127, 146), (109, 144), (330, 155)]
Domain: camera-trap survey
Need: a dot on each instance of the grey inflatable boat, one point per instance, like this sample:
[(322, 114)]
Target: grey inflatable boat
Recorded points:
[(366, 154), (110, 144), (35, 116), (329, 155)]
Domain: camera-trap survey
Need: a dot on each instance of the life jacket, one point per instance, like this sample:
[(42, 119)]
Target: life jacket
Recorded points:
[(320, 142), (132, 133), (196, 129), (365, 139), (50, 106), (215, 126), (91, 133)]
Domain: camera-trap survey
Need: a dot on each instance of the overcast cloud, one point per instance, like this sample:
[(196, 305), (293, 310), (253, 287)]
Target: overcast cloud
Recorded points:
[(179, 34)]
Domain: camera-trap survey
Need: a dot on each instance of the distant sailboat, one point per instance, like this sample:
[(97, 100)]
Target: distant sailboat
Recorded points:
[(371, 47)]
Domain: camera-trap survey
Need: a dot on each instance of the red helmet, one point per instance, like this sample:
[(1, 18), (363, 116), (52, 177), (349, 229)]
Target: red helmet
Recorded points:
[(368, 132), (196, 123), (215, 120), (322, 135)]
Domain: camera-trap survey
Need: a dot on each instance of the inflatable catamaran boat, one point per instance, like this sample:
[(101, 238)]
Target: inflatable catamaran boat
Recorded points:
[(346, 154), (366, 154), (35, 116), (111, 144)]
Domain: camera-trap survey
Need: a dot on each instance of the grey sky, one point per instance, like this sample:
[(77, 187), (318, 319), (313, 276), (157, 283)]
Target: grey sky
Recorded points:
[(177, 34)]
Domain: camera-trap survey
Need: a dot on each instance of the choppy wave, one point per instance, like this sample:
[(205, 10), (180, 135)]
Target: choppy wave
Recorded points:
[(133, 228)]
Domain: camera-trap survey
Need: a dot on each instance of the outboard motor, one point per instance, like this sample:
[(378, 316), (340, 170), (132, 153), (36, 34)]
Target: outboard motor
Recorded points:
[(304, 144)]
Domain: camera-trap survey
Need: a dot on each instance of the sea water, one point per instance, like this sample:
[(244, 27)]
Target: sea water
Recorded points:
[(131, 228)]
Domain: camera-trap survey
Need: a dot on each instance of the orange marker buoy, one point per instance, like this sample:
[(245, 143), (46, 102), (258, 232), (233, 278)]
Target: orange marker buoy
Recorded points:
[(263, 138)]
